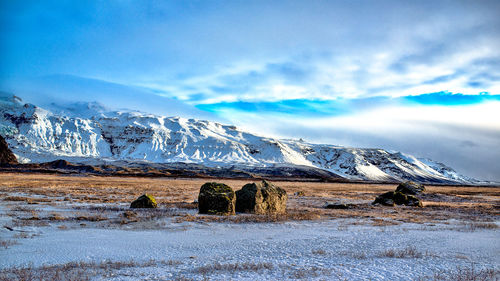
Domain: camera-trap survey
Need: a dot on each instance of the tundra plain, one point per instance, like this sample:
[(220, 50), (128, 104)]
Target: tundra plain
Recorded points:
[(81, 227)]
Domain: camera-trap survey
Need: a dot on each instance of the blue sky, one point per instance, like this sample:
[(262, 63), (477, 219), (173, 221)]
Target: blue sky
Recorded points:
[(417, 76)]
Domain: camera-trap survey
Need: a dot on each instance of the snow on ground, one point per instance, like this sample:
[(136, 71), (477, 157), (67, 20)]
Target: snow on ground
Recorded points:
[(330, 249)]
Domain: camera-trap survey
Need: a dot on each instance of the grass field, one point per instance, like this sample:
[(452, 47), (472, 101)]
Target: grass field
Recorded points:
[(465, 203)]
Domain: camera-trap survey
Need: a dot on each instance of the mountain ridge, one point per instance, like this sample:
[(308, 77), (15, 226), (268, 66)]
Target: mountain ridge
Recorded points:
[(92, 134)]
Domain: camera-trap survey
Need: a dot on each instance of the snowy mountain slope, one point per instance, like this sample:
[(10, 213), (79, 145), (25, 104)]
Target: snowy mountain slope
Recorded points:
[(86, 132)]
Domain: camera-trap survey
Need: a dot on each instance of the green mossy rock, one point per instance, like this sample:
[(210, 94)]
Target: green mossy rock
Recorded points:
[(144, 201), (216, 199), (261, 198), (413, 201), (400, 198), (410, 187)]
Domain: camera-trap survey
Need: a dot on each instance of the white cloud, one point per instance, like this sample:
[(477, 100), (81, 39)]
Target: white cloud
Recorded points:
[(226, 51), (464, 137)]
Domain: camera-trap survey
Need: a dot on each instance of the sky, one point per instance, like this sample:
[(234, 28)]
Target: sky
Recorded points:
[(421, 77)]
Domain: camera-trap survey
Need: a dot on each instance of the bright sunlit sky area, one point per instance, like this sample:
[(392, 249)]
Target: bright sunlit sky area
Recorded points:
[(421, 77)]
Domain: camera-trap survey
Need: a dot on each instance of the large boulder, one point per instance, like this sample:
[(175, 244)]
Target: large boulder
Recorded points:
[(6, 155), (410, 187), (144, 201), (261, 198), (216, 199)]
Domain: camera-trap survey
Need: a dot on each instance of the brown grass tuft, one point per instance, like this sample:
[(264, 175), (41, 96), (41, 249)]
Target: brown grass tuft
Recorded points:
[(233, 267), (7, 243), (74, 270), (408, 252), (465, 273)]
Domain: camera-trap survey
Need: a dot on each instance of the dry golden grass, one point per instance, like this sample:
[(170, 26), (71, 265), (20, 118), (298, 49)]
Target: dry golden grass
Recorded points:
[(440, 202), (233, 267), (77, 270), (465, 273), (408, 252), (7, 243)]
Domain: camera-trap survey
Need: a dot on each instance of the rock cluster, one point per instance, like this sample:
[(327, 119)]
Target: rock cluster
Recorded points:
[(405, 194), (219, 199), (257, 198)]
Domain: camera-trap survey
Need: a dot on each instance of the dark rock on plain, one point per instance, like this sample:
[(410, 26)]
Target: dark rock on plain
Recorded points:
[(144, 201), (392, 198), (338, 206)]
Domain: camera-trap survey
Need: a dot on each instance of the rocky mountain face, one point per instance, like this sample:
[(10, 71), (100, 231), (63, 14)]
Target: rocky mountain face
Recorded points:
[(6, 155), (88, 133)]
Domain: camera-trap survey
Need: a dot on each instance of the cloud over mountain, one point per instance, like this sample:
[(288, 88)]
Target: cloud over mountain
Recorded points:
[(374, 73)]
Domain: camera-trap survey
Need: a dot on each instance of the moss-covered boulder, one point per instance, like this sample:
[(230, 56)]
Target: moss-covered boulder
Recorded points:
[(144, 201), (397, 198), (410, 187), (216, 199), (261, 198), (413, 201), (386, 199)]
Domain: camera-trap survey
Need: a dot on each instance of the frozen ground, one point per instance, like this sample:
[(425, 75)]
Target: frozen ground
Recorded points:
[(328, 250)]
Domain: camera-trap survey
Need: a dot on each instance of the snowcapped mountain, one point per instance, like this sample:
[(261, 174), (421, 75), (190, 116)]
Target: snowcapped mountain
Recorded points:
[(88, 133)]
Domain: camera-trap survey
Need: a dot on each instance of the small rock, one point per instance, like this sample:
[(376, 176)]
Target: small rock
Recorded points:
[(129, 214), (299, 193), (341, 206), (144, 201)]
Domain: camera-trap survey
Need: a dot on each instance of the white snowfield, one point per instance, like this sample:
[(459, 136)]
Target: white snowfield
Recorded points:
[(324, 250), (87, 132)]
